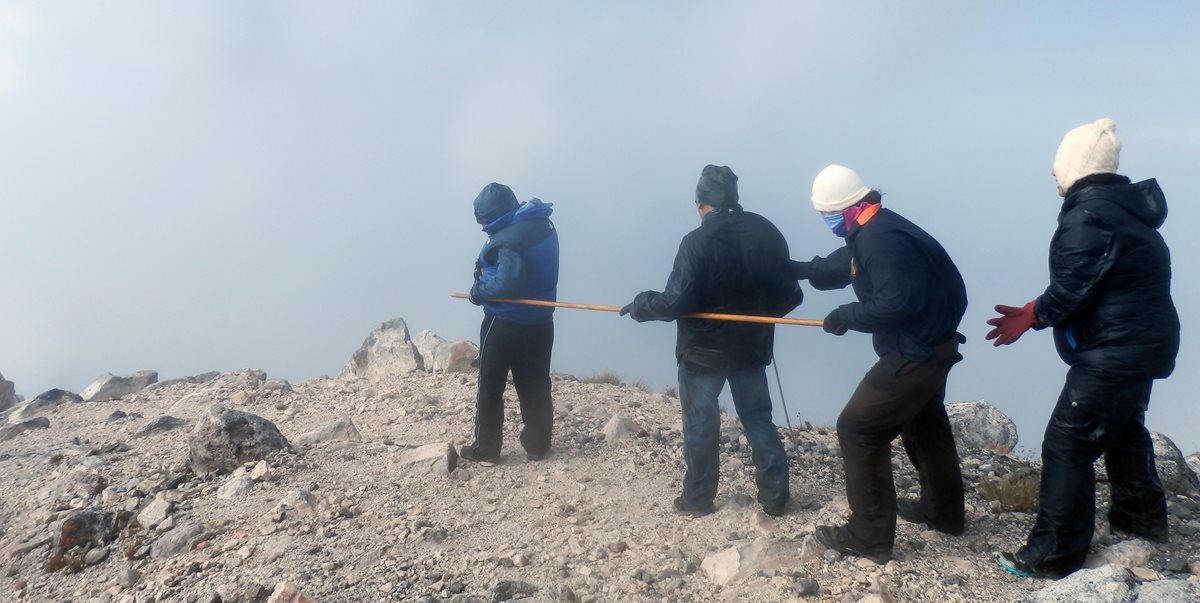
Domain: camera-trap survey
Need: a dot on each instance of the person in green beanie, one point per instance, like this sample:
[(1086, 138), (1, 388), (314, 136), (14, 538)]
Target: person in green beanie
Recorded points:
[(735, 262)]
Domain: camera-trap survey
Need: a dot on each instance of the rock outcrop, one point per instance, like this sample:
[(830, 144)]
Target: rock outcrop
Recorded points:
[(44, 402), (224, 439), (981, 426), (9, 432), (437, 354), (8, 394), (111, 387), (1173, 469), (388, 351)]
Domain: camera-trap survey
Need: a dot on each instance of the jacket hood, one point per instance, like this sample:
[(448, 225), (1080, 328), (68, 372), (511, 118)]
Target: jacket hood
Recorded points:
[(530, 210), (1144, 200)]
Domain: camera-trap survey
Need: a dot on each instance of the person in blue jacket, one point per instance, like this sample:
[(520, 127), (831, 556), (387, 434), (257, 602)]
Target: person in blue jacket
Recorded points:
[(519, 260)]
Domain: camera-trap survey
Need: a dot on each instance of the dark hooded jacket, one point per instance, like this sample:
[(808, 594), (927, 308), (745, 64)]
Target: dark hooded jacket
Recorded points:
[(1109, 298), (911, 295), (519, 260), (736, 262)]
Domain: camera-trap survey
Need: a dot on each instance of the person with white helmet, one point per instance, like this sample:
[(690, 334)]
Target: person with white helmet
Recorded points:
[(1115, 324), (911, 299)]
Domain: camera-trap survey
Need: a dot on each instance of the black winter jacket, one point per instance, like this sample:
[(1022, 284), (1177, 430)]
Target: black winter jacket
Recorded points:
[(911, 295), (1109, 298), (736, 262)]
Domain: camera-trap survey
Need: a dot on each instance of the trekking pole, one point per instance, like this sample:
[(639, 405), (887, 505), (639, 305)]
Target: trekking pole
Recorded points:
[(804, 322), (787, 416)]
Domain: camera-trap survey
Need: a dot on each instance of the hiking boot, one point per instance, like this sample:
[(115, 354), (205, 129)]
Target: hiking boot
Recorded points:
[(1013, 565), (683, 508), (834, 538), (472, 454), (910, 510), (775, 509), (1160, 535)]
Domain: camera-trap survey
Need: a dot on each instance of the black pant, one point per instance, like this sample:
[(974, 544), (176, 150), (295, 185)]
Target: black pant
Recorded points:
[(900, 397), (1094, 416), (524, 349)]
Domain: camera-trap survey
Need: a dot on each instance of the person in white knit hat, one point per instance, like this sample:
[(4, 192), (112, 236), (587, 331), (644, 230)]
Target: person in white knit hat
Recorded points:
[(911, 299), (1115, 325)]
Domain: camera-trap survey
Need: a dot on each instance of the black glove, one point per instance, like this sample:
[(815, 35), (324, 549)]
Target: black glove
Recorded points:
[(626, 309), (474, 295), (835, 323), (478, 271), (801, 271)]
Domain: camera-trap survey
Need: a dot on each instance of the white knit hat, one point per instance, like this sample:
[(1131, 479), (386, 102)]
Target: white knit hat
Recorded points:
[(836, 188), (1089, 149)]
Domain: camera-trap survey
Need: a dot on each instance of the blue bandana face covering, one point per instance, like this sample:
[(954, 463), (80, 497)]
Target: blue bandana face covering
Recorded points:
[(836, 223)]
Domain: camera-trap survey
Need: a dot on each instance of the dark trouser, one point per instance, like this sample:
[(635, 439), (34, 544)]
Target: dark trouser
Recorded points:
[(1094, 416), (524, 349), (899, 397), (698, 392)]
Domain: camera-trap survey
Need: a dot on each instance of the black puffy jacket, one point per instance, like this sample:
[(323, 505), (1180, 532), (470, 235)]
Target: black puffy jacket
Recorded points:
[(911, 296), (736, 262), (1109, 298)]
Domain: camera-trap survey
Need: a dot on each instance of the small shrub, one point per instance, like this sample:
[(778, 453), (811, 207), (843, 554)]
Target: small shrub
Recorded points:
[(640, 386), (670, 392), (1015, 492), (608, 377)]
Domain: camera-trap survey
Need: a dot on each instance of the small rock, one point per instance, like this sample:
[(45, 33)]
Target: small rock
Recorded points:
[(128, 578), (235, 487), (510, 589), (433, 459), (297, 503), (620, 428), (807, 587), (158, 425), (979, 425), (261, 472), (86, 526), (176, 541), (287, 593), (96, 555), (155, 512), (342, 430), (1131, 553)]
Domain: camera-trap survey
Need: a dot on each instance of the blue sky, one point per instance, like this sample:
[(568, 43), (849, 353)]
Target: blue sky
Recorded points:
[(199, 186)]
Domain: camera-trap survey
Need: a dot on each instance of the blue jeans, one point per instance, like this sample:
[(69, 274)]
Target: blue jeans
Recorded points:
[(698, 392)]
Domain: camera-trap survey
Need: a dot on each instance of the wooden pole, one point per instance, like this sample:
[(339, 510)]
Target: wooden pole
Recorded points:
[(706, 315)]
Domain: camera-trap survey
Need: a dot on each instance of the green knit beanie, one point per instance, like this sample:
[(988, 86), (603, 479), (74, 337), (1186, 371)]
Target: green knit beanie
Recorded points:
[(717, 187)]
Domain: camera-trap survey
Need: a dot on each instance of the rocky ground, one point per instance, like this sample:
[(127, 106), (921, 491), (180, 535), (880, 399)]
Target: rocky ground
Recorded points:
[(101, 500)]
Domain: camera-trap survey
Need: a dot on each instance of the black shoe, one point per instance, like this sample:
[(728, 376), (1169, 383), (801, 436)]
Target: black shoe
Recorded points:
[(683, 508), (536, 457), (775, 509), (910, 510), (1013, 565), (833, 538), (1160, 536), (471, 454)]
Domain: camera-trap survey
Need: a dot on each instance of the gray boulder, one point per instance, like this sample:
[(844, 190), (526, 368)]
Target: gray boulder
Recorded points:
[(111, 387), (437, 354), (9, 432), (1172, 467), (1106, 584), (87, 526), (1193, 463), (225, 439), (341, 430), (1168, 591), (160, 424), (8, 394), (387, 352), (981, 426), (179, 540), (42, 403)]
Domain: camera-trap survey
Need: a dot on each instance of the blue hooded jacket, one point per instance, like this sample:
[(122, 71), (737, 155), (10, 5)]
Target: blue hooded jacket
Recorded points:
[(519, 260)]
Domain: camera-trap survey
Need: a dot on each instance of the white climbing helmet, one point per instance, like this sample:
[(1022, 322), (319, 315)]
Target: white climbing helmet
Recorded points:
[(836, 188)]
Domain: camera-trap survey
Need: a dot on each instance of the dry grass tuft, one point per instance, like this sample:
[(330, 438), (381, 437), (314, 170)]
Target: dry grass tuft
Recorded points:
[(1015, 492)]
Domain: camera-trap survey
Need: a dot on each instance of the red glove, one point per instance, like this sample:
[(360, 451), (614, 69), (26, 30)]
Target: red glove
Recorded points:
[(1011, 324)]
